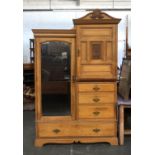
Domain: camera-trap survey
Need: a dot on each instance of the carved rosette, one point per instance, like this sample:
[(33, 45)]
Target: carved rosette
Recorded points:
[(96, 17), (97, 14)]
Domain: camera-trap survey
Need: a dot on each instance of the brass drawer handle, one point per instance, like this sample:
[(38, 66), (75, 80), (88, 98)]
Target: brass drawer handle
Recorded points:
[(96, 99), (96, 113), (96, 88), (56, 131), (96, 130)]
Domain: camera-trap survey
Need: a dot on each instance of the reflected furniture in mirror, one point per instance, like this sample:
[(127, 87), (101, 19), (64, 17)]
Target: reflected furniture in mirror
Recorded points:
[(55, 81), (75, 81)]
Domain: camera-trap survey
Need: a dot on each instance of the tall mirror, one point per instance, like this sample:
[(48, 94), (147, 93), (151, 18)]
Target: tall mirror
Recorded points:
[(55, 78)]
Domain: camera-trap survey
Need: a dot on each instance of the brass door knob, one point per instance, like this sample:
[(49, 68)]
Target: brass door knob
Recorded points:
[(96, 113), (96, 130), (96, 99), (56, 131)]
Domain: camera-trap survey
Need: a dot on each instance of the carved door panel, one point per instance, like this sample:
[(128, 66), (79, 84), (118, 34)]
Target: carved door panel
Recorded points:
[(96, 53)]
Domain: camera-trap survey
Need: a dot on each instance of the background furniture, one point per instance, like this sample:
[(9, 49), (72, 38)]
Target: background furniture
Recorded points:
[(28, 70), (32, 50), (124, 85), (28, 86), (28, 80), (122, 105), (86, 61)]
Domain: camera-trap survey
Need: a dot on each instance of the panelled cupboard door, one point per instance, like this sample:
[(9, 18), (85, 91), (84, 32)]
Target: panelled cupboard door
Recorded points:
[(96, 52)]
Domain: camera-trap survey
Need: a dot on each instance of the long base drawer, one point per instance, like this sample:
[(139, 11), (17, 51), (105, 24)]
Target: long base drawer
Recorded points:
[(74, 130)]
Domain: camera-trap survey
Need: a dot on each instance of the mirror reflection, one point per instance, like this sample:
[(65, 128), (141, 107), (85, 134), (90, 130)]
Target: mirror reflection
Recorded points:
[(55, 78)]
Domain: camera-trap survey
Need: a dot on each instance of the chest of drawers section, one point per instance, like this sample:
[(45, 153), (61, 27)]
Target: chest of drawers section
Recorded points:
[(96, 100)]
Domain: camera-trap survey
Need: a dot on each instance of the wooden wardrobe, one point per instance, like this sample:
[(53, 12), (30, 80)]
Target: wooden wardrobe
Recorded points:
[(75, 81)]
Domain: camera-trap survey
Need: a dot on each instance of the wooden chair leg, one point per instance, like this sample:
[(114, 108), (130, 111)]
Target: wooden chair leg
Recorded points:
[(121, 125)]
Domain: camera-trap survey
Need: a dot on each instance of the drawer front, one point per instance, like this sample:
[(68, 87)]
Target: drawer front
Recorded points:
[(96, 87), (49, 130), (56, 130), (96, 112), (93, 98), (100, 129)]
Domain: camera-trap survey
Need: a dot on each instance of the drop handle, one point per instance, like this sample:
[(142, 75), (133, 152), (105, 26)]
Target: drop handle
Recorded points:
[(96, 99), (96, 130), (56, 131), (96, 113), (96, 88)]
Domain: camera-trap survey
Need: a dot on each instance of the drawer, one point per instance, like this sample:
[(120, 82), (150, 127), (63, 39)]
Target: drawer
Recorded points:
[(51, 130), (96, 112), (56, 130), (94, 98), (97, 129), (96, 87)]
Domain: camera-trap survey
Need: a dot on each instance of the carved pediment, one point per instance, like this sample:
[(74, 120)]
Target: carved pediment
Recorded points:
[(96, 17)]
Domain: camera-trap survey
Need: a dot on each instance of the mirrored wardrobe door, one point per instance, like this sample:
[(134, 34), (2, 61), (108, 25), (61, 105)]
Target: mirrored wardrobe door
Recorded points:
[(55, 78)]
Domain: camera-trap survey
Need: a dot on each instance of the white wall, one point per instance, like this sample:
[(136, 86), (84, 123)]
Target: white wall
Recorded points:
[(63, 20)]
